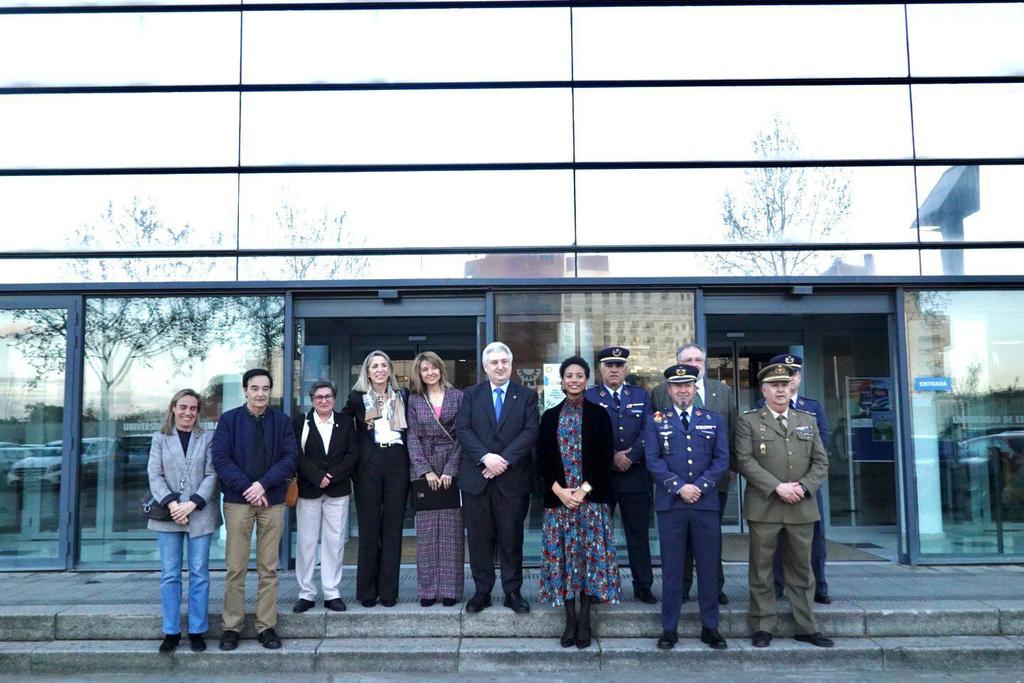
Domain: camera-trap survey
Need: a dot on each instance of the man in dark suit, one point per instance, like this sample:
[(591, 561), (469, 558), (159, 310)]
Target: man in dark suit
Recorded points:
[(717, 397), (497, 427), (628, 408), (819, 552), (686, 454)]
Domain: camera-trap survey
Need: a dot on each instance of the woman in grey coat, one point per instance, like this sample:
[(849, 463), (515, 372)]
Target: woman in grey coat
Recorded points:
[(182, 479)]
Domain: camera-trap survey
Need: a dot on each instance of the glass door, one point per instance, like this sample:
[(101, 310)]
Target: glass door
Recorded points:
[(847, 369), (36, 448), (333, 338)]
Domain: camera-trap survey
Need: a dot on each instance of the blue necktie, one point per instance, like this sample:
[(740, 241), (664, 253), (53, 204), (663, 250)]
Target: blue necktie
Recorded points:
[(498, 403), (618, 403), (686, 420)]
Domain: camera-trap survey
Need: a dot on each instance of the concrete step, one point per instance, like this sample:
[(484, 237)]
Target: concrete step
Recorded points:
[(513, 655), (629, 620)]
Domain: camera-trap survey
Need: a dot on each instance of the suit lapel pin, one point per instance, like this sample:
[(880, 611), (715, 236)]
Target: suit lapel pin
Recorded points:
[(697, 413), (602, 394)]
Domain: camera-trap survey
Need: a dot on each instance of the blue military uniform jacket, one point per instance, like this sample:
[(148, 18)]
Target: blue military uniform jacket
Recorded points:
[(627, 432), (676, 457), (809, 405)]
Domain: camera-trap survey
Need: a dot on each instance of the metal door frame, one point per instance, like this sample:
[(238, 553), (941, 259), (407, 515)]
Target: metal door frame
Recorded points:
[(67, 515)]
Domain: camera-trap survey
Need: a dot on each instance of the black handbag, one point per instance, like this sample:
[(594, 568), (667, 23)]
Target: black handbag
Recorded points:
[(152, 509), (425, 499)]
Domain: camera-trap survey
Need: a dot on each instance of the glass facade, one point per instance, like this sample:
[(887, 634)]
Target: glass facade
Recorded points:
[(138, 352), (964, 353), (491, 148)]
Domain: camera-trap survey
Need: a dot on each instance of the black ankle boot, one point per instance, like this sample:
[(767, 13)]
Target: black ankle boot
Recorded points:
[(569, 634), (583, 628)]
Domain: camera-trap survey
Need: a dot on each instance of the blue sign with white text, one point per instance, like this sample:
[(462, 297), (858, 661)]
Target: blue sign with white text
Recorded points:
[(933, 384)]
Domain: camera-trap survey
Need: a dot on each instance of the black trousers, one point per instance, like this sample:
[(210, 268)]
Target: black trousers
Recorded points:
[(494, 521), (723, 498), (382, 489), (636, 524)]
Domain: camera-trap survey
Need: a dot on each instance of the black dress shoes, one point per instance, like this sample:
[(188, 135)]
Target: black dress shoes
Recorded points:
[(761, 639), (668, 640), (301, 605), (645, 595), (478, 603), (197, 642), (712, 638), (170, 642), (229, 640), (816, 639), (723, 599), (427, 602), (368, 603), (389, 603), (268, 639), (517, 603), (335, 605), (448, 602), (822, 598)]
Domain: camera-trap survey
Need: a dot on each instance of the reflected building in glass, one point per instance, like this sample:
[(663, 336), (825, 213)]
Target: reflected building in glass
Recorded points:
[(311, 181)]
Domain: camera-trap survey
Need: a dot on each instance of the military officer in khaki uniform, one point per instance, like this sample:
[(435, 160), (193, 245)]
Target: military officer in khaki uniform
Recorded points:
[(779, 451)]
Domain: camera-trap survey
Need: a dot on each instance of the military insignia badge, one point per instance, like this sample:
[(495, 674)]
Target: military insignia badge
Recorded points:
[(697, 413), (658, 417), (616, 351), (764, 449)]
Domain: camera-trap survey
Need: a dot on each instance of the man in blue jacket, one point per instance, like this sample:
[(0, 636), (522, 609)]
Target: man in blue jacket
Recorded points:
[(628, 408), (687, 452), (255, 455)]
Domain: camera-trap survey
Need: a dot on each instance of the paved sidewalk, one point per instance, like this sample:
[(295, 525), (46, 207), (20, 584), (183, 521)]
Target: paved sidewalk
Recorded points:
[(866, 585)]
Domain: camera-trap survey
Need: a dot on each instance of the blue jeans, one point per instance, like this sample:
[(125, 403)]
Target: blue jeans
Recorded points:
[(171, 543)]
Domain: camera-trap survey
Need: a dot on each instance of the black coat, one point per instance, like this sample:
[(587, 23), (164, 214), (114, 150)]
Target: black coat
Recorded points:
[(513, 437), (339, 459), (597, 451)]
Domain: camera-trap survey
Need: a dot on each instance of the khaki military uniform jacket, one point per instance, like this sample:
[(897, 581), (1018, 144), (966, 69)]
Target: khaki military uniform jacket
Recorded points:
[(767, 455)]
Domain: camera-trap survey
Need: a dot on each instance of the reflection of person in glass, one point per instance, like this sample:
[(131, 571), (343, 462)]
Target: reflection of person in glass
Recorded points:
[(377, 405), (255, 455), (327, 458), (435, 454), (575, 455), (687, 453), (182, 479)]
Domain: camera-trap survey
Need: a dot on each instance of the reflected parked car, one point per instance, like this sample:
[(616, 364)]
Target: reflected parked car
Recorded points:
[(130, 454)]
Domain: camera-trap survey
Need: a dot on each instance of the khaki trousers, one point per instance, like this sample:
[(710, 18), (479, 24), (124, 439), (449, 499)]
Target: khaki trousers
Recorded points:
[(796, 562), (239, 519)]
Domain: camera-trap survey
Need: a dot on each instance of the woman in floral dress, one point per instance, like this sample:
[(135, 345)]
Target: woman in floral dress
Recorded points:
[(574, 454)]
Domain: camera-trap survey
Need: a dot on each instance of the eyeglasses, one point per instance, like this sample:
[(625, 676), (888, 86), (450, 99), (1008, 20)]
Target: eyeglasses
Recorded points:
[(326, 397)]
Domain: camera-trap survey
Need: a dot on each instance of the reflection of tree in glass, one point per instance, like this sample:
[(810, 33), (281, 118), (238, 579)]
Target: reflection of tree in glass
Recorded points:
[(306, 230), (782, 205), (138, 226)]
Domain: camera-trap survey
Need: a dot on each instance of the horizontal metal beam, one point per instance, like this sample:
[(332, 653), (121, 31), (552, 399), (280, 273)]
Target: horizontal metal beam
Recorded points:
[(823, 247), (510, 85), (451, 4)]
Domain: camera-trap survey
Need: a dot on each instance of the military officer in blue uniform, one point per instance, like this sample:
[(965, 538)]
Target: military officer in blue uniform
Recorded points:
[(687, 452), (628, 408), (819, 551)]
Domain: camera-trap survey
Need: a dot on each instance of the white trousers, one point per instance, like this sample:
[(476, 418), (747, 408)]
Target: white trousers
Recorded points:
[(325, 520)]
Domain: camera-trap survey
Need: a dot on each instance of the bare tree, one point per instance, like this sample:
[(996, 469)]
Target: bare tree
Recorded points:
[(308, 230), (784, 204)]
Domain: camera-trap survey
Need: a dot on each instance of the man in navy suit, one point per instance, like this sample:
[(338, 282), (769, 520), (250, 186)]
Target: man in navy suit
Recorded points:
[(687, 453), (818, 547), (497, 428), (628, 407)]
